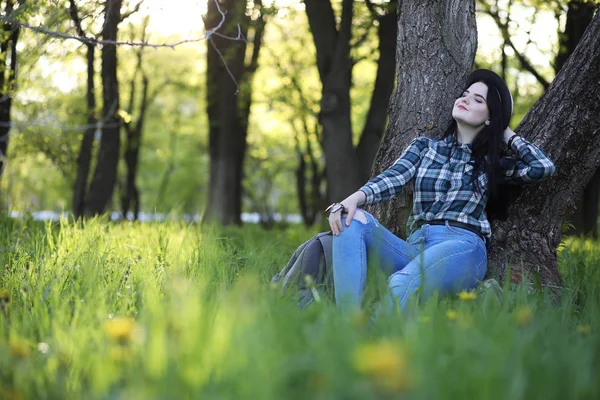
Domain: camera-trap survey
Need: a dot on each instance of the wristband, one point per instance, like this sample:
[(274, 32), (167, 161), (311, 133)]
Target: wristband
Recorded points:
[(509, 144), (335, 207)]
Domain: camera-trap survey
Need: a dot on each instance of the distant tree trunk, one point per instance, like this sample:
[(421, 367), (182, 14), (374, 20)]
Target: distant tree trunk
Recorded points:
[(229, 95), (435, 50), (105, 174), (579, 15), (335, 70), (130, 200), (8, 76), (84, 158), (564, 122), (384, 85)]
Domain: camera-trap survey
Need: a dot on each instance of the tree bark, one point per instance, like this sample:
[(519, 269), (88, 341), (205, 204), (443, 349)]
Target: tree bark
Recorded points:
[(8, 75), (335, 70), (84, 158), (579, 16), (105, 174), (564, 122), (435, 50), (229, 91)]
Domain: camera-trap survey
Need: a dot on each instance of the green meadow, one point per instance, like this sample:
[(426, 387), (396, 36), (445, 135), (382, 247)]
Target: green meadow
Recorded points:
[(178, 311)]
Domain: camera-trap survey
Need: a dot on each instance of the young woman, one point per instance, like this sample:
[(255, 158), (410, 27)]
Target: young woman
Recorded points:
[(454, 177)]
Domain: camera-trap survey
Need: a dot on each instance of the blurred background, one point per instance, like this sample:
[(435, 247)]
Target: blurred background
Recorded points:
[(213, 110)]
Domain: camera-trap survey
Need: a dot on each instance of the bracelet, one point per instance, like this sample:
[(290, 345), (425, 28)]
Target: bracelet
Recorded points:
[(509, 144), (335, 207)]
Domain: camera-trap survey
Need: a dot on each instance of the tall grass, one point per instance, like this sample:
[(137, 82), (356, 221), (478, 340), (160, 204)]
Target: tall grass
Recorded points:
[(170, 311)]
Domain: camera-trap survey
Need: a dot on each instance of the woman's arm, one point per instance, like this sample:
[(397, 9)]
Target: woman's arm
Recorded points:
[(532, 165), (382, 187)]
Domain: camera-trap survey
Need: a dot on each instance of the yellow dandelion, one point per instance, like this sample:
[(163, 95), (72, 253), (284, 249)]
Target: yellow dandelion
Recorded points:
[(120, 329), (584, 329), (467, 296), (19, 348), (524, 315), (4, 296), (385, 363), (451, 314)]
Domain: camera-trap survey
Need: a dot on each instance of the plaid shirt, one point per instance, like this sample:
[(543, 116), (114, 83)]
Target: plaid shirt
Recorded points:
[(443, 188)]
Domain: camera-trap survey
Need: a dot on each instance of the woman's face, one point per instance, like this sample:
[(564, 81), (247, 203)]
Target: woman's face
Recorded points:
[(471, 107)]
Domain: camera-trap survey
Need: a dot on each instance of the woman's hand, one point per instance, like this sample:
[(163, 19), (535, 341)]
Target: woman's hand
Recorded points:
[(350, 204)]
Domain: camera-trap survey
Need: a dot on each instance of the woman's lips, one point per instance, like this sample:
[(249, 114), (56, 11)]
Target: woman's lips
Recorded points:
[(462, 107)]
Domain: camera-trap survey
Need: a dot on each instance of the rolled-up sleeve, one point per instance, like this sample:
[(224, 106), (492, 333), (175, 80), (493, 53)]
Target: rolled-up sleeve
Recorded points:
[(531, 164), (390, 182)]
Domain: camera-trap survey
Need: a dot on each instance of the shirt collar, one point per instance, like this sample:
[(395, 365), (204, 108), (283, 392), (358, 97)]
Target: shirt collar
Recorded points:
[(450, 142)]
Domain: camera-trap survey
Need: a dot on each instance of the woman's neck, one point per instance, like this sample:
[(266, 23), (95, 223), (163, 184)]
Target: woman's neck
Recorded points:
[(466, 134)]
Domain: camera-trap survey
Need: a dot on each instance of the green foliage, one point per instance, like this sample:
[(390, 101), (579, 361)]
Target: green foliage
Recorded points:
[(174, 311)]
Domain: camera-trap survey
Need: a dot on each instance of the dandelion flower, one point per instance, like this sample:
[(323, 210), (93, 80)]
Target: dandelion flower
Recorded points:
[(583, 329), (385, 362), (120, 329), (19, 348), (524, 316), (467, 296), (4, 296), (451, 314)]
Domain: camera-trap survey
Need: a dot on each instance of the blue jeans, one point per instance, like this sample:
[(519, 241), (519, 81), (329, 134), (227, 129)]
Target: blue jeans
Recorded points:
[(438, 257)]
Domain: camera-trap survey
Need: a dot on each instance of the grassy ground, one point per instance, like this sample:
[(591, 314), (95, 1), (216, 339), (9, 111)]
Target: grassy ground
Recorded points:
[(174, 311)]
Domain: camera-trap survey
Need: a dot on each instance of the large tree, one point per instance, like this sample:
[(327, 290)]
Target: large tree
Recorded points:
[(563, 122), (435, 51), (578, 14), (229, 96)]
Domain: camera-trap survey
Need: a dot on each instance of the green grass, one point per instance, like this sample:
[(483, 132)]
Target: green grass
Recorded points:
[(175, 311)]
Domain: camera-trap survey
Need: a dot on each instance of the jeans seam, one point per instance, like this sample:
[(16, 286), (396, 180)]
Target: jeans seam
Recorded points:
[(481, 262), (428, 268)]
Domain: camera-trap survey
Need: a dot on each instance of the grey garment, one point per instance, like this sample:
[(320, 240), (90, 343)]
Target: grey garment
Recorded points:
[(309, 270)]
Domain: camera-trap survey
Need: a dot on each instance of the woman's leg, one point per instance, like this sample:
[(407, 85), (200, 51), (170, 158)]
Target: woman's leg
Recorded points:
[(365, 236), (449, 266)]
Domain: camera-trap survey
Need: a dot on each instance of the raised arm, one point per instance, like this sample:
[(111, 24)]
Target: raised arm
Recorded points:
[(531, 164)]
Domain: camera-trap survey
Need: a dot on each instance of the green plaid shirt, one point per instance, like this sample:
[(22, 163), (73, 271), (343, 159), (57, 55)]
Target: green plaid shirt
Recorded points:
[(443, 186)]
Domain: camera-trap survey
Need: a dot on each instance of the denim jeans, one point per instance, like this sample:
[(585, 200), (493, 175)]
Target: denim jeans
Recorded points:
[(435, 257)]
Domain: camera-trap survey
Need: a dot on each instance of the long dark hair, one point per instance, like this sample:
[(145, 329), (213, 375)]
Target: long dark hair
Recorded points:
[(488, 148)]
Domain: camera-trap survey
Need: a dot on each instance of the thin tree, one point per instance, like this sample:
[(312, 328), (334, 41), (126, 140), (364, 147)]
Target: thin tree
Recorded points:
[(229, 96), (8, 73)]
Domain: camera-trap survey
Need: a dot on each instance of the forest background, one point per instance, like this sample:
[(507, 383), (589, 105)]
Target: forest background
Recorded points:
[(163, 93)]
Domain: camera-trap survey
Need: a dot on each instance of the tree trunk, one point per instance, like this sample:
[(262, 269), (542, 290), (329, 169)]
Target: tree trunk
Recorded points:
[(436, 47), (335, 70), (87, 141), (564, 122), (579, 16), (8, 75), (229, 92), (105, 174), (131, 198), (384, 85)]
